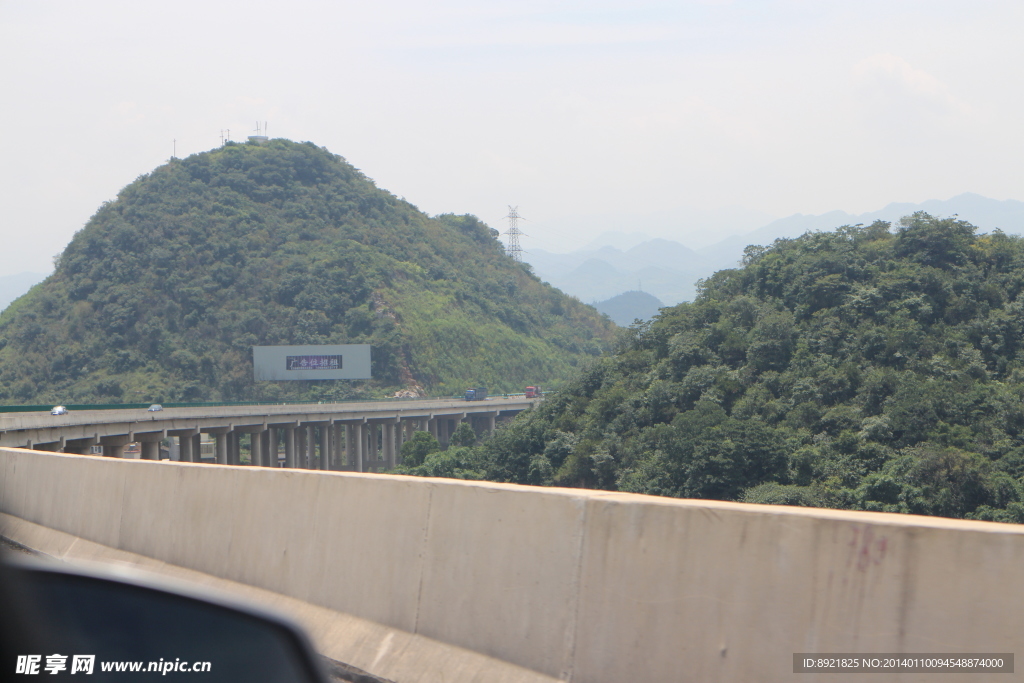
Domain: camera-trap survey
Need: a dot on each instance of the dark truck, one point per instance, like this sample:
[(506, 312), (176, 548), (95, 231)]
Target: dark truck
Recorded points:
[(477, 394)]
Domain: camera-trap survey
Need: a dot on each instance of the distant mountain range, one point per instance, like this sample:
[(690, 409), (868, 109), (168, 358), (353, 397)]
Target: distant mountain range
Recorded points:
[(662, 267), (987, 214), (625, 308), (669, 270)]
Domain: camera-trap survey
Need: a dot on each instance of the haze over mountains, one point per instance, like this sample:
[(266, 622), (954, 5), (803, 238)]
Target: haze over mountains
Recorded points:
[(620, 261)]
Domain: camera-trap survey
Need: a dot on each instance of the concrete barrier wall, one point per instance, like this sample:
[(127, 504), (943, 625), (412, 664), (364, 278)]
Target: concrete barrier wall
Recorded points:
[(581, 585)]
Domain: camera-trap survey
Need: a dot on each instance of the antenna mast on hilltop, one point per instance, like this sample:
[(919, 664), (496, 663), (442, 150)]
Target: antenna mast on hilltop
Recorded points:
[(261, 134), (513, 249)]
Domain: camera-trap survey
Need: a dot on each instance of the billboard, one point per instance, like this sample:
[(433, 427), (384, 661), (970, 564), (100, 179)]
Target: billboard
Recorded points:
[(337, 361)]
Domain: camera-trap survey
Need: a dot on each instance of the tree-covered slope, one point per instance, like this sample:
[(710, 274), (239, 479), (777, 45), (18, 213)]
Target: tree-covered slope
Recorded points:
[(163, 293), (864, 368)]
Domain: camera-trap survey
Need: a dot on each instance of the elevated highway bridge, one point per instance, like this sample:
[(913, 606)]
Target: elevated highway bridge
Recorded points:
[(343, 436)]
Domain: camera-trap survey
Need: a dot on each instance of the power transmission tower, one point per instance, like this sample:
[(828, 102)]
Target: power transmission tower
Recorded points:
[(513, 249)]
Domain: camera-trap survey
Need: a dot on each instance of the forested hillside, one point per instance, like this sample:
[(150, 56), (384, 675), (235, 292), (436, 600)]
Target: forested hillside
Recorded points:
[(161, 296), (866, 368)]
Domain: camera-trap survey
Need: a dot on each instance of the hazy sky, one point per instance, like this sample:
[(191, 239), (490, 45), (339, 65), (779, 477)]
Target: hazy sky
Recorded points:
[(589, 115)]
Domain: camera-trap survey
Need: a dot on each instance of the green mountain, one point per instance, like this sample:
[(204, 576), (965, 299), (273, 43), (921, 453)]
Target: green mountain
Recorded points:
[(163, 293), (863, 368)]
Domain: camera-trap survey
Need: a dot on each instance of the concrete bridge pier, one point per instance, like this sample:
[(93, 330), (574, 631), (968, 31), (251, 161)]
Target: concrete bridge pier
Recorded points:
[(188, 451), (149, 443), (359, 441), (347, 449), (270, 447), (344, 450), (220, 443), (432, 427), (221, 448), (339, 454), (113, 446), (310, 439), (184, 447), (371, 430), (442, 430), (326, 429), (234, 447), (390, 433), (400, 429), (268, 456), (256, 452), (346, 446), (369, 445), (374, 446), (289, 446), (300, 447), (307, 454)]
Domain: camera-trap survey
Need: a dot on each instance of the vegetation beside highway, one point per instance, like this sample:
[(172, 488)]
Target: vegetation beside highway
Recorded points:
[(868, 368)]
